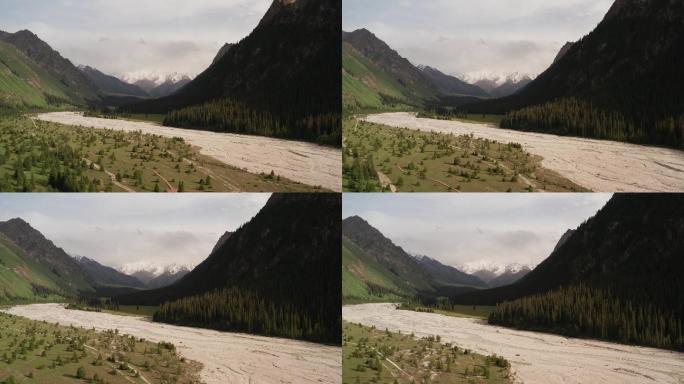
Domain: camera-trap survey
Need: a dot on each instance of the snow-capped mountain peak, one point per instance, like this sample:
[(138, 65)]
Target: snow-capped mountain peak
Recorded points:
[(494, 268), (152, 268), (158, 78)]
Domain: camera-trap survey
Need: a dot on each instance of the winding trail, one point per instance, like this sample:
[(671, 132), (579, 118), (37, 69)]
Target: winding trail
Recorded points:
[(535, 357), (307, 163), (599, 165), (227, 357)]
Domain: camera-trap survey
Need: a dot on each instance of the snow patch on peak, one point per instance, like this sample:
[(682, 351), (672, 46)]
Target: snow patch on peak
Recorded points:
[(497, 79), (154, 269), (495, 268), (158, 78)]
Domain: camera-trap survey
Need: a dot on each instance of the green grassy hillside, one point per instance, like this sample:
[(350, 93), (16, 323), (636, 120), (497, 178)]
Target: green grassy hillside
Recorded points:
[(365, 86), (364, 279), (21, 279), (25, 84)]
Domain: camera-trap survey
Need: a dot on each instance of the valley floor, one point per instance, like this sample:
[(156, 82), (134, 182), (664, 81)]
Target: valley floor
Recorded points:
[(226, 357), (307, 163), (535, 357), (599, 165)]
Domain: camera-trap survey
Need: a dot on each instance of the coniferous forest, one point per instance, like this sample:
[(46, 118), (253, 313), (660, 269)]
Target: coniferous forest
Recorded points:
[(571, 116), (226, 115), (240, 310), (583, 311)]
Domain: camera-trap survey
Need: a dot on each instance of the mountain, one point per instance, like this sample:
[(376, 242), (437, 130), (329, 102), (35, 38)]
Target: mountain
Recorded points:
[(24, 279), (510, 275), (617, 277), (450, 85), (76, 85), (618, 247), (153, 275), (169, 86), (168, 277), (497, 86), (110, 85), (564, 49), (498, 275), (71, 278), (222, 240), (374, 268), (107, 276), (287, 256), (222, 52), (448, 276), (287, 72), (24, 83), (622, 81)]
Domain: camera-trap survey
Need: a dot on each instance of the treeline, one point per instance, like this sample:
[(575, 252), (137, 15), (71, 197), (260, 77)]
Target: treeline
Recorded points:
[(240, 310), (225, 115), (571, 116), (583, 311)]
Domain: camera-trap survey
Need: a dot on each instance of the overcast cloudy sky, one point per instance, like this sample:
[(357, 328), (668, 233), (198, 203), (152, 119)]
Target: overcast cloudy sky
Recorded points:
[(128, 36), (461, 229), (119, 229), (473, 38)]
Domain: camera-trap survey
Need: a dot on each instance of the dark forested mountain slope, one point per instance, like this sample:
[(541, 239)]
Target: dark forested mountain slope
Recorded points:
[(287, 71), (107, 276), (622, 81), (79, 88), (72, 278), (110, 85), (282, 267), (624, 263)]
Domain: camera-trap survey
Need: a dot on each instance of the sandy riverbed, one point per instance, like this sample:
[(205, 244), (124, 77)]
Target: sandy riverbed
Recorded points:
[(602, 166), (535, 357), (303, 162), (227, 357)]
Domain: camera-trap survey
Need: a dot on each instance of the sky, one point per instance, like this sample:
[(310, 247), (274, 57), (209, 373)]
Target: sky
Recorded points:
[(472, 39), (132, 36), (475, 229), (120, 229)]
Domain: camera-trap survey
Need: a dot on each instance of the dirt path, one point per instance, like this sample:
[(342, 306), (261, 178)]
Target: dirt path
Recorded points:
[(386, 182), (306, 163), (535, 357), (111, 176), (227, 357), (599, 165)]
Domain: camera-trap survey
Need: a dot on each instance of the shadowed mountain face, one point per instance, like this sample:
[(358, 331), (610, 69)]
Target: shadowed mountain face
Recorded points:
[(71, 277), (630, 66), (79, 88), (633, 247), (289, 66), (288, 254)]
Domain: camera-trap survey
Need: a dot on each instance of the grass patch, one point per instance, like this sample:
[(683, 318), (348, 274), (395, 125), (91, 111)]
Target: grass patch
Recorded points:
[(39, 352), (379, 158), (37, 156), (370, 355)]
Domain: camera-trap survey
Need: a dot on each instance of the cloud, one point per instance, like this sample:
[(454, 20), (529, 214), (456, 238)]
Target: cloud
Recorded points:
[(476, 228), (125, 36), (119, 229), (463, 37)]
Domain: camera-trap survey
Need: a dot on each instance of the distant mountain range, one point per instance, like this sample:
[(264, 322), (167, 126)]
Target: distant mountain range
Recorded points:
[(155, 276), (375, 269), (375, 76), (498, 275)]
